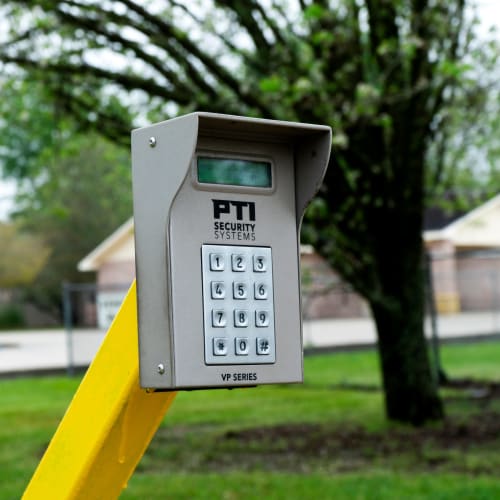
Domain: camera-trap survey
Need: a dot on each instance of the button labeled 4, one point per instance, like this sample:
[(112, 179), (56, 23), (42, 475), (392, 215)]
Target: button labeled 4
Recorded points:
[(218, 290)]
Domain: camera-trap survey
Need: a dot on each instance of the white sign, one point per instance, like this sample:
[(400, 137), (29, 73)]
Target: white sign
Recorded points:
[(108, 304)]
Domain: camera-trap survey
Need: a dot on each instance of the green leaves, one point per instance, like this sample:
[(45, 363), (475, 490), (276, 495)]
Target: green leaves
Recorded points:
[(314, 12), (454, 69), (28, 125), (367, 99), (273, 84)]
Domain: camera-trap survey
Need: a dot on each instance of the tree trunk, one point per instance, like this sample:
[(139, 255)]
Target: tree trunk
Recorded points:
[(410, 392)]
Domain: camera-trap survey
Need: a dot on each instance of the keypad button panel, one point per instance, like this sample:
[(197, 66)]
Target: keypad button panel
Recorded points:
[(238, 305)]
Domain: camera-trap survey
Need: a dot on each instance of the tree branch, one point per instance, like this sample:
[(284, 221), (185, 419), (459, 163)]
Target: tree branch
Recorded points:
[(217, 70), (243, 12), (128, 82)]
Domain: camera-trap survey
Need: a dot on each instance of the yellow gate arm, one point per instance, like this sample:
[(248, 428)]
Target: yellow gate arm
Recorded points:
[(107, 426)]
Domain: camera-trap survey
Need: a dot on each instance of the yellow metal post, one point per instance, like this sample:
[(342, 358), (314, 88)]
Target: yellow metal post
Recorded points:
[(107, 426)]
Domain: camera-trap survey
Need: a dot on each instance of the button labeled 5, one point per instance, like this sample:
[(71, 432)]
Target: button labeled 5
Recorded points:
[(239, 290)]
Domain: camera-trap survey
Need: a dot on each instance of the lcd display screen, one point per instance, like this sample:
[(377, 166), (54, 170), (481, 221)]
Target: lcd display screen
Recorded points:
[(234, 172)]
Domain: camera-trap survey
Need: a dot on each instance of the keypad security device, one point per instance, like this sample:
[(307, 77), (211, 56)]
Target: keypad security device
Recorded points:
[(218, 203)]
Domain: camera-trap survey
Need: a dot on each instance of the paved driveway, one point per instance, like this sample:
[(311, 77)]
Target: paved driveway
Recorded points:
[(36, 350)]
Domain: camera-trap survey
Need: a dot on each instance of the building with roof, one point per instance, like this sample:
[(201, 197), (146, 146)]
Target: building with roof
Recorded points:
[(465, 254)]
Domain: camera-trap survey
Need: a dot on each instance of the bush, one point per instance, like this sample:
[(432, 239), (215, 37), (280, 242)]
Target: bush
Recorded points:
[(11, 317)]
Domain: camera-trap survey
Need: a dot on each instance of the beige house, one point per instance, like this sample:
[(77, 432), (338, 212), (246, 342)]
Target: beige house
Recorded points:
[(465, 254), (113, 261)]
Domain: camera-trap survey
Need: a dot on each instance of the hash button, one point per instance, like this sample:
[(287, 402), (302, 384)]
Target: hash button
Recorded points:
[(263, 347)]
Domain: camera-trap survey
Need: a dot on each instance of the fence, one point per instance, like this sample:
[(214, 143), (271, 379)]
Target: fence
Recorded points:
[(88, 311), (463, 300)]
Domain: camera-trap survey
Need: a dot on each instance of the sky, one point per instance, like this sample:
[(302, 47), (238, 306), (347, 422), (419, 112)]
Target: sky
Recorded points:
[(489, 12)]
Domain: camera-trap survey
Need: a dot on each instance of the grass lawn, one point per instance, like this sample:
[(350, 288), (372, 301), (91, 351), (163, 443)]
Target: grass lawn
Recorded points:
[(327, 438)]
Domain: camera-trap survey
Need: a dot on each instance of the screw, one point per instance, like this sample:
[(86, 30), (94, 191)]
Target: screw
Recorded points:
[(161, 368), (152, 142)]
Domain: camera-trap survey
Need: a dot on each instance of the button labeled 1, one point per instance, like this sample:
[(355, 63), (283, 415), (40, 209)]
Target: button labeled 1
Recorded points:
[(216, 262)]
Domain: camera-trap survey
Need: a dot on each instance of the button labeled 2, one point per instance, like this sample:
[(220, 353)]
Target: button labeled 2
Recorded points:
[(238, 263)]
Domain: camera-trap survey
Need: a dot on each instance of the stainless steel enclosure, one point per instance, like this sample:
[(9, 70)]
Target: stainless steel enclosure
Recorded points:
[(199, 327)]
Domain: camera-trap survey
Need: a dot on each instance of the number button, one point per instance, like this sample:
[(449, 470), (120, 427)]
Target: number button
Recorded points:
[(240, 319), (260, 291), (259, 264), (219, 319), (261, 319), (220, 346), (241, 346), (238, 263), (263, 347), (218, 289), (216, 262), (240, 291)]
